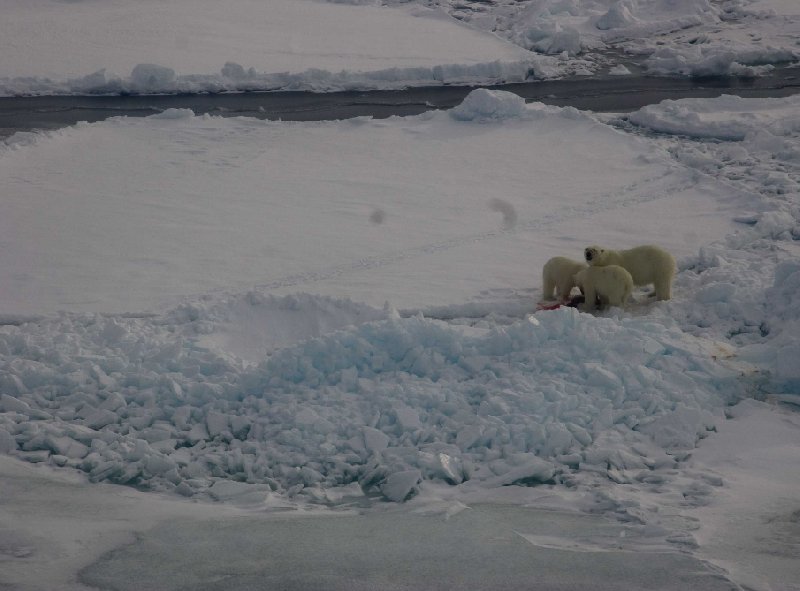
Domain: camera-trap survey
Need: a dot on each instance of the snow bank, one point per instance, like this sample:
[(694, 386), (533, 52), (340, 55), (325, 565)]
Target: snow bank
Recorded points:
[(199, 46), (251, 326), (387, 404), (202, 46), (701, 61), (483, 104), (694, 38), (625, 17), (683, 37), (158, 79), (744, 288), (725, 118)]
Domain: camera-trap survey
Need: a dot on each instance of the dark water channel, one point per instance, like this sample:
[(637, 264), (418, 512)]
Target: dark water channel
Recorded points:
[(604, 94)]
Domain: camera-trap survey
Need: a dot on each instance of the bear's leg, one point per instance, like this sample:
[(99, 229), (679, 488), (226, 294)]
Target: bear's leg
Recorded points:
[(563, 290), (591, 299), (627, 295), (548, 285), (664, 289)]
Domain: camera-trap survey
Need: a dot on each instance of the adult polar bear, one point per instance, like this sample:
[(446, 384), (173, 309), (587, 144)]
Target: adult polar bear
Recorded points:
[(559, 274), (646, 264), (609, 286)]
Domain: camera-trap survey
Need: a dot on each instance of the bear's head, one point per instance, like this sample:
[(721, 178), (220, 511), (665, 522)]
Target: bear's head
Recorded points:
[(593, 254)]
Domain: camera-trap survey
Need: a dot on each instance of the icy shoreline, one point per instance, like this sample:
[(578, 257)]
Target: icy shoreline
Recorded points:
[(153, 79)]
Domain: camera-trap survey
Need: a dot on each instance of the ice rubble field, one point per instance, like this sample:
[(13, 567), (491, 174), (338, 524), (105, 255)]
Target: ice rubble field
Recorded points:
[(76, 47), (684, 37), (352, 399)]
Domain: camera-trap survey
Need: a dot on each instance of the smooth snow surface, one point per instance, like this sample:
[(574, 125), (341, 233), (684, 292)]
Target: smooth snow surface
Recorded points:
[(481, 548), (363, 208), (756, 455), (308, 315), (426, 546), (198, 45), (151, 46)]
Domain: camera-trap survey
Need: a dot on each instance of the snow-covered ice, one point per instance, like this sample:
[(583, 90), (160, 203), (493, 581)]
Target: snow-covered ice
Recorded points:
[(241, 192), (667, 37), (203, 45), (432, 546), (148, 46), (211, 308), (218, 335)]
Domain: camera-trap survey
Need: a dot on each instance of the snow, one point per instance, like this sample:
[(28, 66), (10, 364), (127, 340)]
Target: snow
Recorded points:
[(723, 118), (683, 37), (202, 45), (483, 104), (757, 446), (113, 47), (480, 546), (308, 353), (231, 219), (168, 327), (175, 428)]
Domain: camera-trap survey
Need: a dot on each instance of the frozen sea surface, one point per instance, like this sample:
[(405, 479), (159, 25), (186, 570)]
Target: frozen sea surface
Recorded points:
[(482, 548)]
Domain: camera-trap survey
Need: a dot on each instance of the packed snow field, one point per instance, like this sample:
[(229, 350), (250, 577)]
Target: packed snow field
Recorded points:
[(78, 47)]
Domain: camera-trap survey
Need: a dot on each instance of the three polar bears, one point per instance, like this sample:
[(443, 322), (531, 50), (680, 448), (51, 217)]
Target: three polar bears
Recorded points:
[(610, 275)]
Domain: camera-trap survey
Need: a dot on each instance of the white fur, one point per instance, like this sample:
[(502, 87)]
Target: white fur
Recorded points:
[(647, 264), (559, 274), (611, 285)]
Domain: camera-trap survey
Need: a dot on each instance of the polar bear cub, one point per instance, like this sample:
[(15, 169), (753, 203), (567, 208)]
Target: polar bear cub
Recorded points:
[(646, 264), (610, 286), (559, 274)]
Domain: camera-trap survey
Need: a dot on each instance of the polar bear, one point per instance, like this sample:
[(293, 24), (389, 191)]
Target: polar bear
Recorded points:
[(610, 286), (646, 264), (559, 273)]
